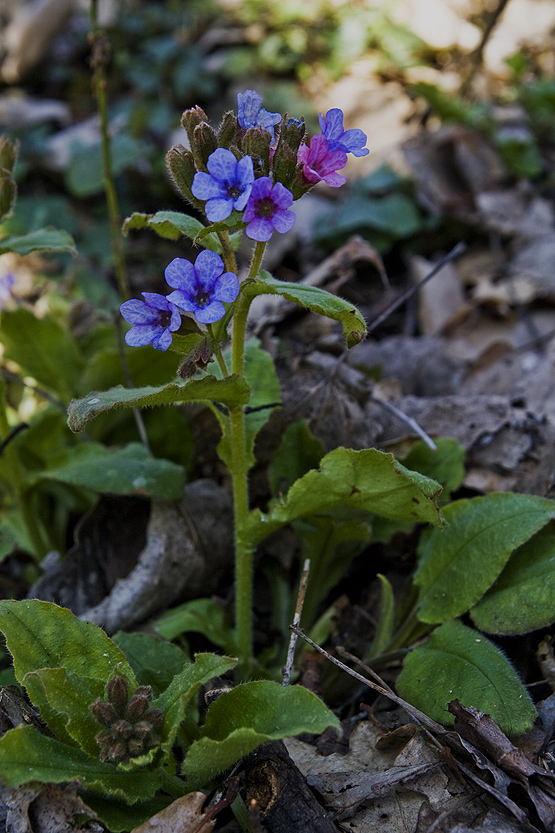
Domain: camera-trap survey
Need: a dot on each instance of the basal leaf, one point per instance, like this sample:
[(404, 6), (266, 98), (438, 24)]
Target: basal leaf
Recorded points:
[(523, 597), (42, 635), (43, 349), (460, 563), (232, 390), (27, 755), (315, 299), (367, 479), (446, 464), (154, 661), (203, 616), (48, 240), (298, 452), (172, 225), (129, 470), (179, 695), (459, 663), (248, 715)]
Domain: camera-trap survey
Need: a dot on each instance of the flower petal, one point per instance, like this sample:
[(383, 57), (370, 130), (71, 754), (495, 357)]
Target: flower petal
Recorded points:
[(353, 141), (332, 126), (156, 301), (283, 220), (163, 341), (182, 300), (205, 187), (222, 165), (210, 313), (226, 288), (259, 229), (245, 172), (218, 209), (208, 267), (175, 321), (248, 105), (180, 273), (142, 334), (334, 179), (137, 312), (281, 196)]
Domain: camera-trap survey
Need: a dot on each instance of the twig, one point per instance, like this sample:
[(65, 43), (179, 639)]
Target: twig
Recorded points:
[(476, 57), (406, 418), (296, 622), (458, 250)]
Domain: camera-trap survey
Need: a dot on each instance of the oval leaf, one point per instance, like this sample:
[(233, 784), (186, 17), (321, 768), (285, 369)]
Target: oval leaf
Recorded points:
[(49, 240), (523, 597), (233, 390), (248, 715), (459, 663), (367, 479), (172, 225), (315, 299), (458, 564), (130, 470)]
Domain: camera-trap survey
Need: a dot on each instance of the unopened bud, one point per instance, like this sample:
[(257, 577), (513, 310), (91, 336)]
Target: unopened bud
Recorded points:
[(116, 692), (155, 717), (191, 119), (117, 752), (227, 131), (284, 164), (8, 192), (256, 144), (204, 143), (103, 713), (137, 706), (181, 165), (122, 729), (8, 153)]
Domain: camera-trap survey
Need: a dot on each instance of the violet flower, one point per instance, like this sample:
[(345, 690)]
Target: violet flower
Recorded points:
[(251, 114), (227, 186), (267, 210), (201, 288), (154, 320), (321, 163), (349, 141), (6, 285)]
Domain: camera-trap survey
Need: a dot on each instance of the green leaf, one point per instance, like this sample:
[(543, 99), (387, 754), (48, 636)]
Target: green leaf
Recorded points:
[(386, 621), (261, 377), (523, 597), (457, 565), (367, 479), (233, 390), (178, 701), (315, 299), (8, 193), (85, 175), (42, 635), (172, 225), (43, 349), (121, 471), (198, 616), (446, 464), (248, 715), (458, 663), (154, 661), (48, 240), (118, 817), (27, 755), (299, 451)]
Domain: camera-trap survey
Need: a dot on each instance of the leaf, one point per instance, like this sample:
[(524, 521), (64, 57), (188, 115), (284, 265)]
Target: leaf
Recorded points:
[(43, 349), (48, 240), (298, 452), (42, 635), (457, 565), (367, 479), (383, 635), (248, 715), (446, 464), (172, 225), (27, 755), (84, 174), (154, 661), (315, 299), (129, 470), (523, 597), (261, 377), (458, 663), (233, 390), (198, 616), (180, 694)]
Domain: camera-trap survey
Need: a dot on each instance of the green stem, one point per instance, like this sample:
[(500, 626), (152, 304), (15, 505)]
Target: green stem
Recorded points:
[(244, 548), (227, 252), (19, 492), (217, 351)]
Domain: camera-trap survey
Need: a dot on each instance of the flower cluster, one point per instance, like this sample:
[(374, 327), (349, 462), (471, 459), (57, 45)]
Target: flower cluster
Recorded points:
[(247, 168), (129, 723)]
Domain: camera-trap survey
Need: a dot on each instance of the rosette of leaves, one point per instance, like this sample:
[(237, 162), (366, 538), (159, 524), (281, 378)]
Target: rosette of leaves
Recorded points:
[(143, 692)]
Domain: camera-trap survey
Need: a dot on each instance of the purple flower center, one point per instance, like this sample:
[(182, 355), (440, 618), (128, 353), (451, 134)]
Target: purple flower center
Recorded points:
[(266, 207), (234, 191), (202, 298), (164, 318)]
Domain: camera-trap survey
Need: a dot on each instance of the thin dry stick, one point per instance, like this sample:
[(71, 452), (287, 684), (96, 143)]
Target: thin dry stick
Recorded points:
[(296, 622), (406, 418)]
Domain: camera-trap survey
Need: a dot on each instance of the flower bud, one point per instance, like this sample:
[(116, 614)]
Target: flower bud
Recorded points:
[(227, 131), (121, 729), (191, 119), (8, 191), (116, 691), (8, 153), (256, 144), (155, 717), (142, 729), (116, 753), (204, 143), (137, 706), (284, 164), (181, 166), (103, 713)]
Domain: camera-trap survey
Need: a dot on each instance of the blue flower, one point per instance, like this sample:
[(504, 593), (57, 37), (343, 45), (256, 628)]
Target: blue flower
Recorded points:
[(154, 320), (251, 114), (349, 141), (227, 185), (6, 285), (201, 288), (267, 209)]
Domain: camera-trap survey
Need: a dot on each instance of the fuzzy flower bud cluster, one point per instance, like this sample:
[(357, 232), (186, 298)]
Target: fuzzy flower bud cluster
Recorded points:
[(130, 725), (249, 171)]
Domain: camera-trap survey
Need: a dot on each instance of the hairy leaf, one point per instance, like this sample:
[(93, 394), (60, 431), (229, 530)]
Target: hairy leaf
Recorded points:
[(198, 616), (172, 225), (48, 240)]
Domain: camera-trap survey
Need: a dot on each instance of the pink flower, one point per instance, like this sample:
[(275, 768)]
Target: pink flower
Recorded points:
[(321, 163)]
